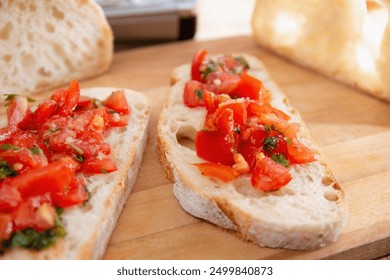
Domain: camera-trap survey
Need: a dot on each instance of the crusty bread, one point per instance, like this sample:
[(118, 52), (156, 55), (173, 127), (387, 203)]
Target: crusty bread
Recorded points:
[(346, 40), (89, 227), (308, 213), (45, 44)]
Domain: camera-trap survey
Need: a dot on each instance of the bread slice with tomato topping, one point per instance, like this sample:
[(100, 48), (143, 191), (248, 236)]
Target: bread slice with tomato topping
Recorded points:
[(108, 166), (45, 44), (241, 157)]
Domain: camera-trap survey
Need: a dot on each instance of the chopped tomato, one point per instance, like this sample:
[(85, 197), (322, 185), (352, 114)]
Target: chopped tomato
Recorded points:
[(225, 121), (299, 153), (288, 129), (94, 165), (248, 86), (75, 194), (117, 120), (269, 175), (219, 171), (239, 109), (69, 99), (210, 101), (44, 111), (19, 113), (83, 102), (193, 94), (7, 132), (52, 178), (6, 226), (253, 145), (9, 197), (197, 61), (35, 212), (117, 101), (256, 109), (222, 82), (24, 159), (214, 146)]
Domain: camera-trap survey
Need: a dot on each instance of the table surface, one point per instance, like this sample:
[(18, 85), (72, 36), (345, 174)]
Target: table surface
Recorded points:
[(351, 129)]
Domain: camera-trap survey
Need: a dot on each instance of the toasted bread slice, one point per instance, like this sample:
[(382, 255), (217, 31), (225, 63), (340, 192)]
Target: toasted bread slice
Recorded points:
[(45, 44), (89, 227), (308, 213)]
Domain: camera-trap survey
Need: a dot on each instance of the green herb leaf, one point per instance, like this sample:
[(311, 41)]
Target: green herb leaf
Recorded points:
[(237, 129), (199, 93), (6, 170), (211, 67), (270, 143), (9, 97), (111, 111), (35, 150), (79, 158), (281, 159), (6, 147), (76, 149), (244, 63), (104, 171), (29, 99), (98, 103), (54, 129)]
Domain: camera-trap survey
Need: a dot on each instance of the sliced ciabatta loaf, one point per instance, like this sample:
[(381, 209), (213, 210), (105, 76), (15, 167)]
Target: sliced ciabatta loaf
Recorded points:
[(45, 44), (89, 227), (307, 213)]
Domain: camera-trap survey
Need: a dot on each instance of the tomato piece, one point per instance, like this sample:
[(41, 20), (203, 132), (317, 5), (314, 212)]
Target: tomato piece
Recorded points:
[(214, 146), (52, 178), (225, 121), (299, 153), (94, 165), (197, 61), (74, 195), (222, 82), (269, 175), (18, 112), (70, 97), (239, 109), (95, 119), (248, 86), (193, 94), (210, 101), (83, 102), (44, 111), (219, 171), (256, 109), (6, 226), (36, 212), (252, 145), (6, 133), (24, 159), (9, 197), (275, 143), (117, 101), (117, 120), (288, 129)]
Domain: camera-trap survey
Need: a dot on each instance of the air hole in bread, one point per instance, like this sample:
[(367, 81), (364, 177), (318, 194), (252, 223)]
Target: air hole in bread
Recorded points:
[(331, 195), (7, 58), (184, 136), (244, 187), (5, 31), (57, 13), (1, 5), (309, 178), (22, 7), (43, 72), (69, 23), (327, 181), (28, 61), (49, 27), (32, 7)]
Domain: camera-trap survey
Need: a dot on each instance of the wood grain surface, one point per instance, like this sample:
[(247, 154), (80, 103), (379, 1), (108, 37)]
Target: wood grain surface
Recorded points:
[(351, 129)]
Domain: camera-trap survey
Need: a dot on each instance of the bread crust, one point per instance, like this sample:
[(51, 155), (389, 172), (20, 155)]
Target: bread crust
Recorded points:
[(89, 227), (229, 205)]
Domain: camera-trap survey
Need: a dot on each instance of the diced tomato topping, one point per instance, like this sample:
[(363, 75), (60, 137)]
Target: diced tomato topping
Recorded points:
[(214, 146), (36, 212), (70, 98), (248, 86), (197, 61), (241, 124), (24, 159), (95, 165), (9, 197), (19, 113), (219, 171), (44, 111), (193, 94), (76, 193), (270, 176), (6, 226), (117, 101)]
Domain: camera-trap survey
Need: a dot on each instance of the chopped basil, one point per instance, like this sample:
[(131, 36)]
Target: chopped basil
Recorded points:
[(104, 171), (211, 67), (244, 63), (270, 143), (281, 159), (269, 129), (111, 111), (79, 158), (199, 93), (6, 170), (76, 149), (32, 239), (53, 129), (237, 129), (35, 150), (6, 147), (97, 103), (9, 97)]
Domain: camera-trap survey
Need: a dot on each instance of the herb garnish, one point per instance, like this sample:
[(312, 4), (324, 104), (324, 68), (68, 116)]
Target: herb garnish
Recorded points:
[(270, 143), (6, 170), (281, 159)]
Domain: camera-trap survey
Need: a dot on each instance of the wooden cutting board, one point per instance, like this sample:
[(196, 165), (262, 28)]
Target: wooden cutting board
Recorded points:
[(351, 129)]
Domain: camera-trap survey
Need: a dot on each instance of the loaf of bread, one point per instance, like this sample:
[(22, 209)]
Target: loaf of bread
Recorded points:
[(89, 226), (45, 44), (307, 213), (345, 40)]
